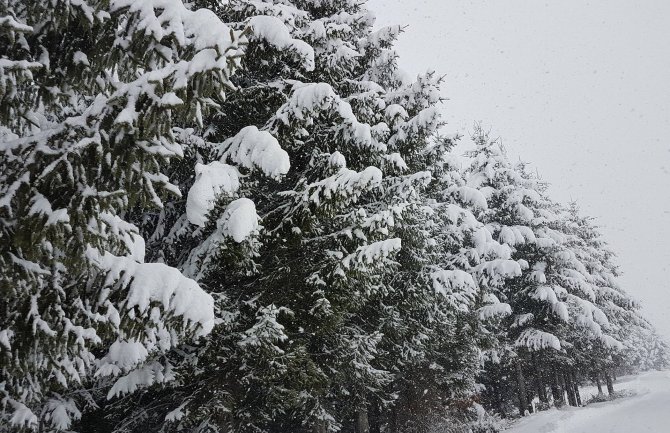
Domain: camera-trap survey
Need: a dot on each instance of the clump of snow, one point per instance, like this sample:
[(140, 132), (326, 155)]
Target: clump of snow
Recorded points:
[(546, 294), (345, 183), (500, 267), (240, 219), (372, 253), (61, 413), (6, 336), (22, 416), (252, 148), (127, 354), (80, 58), (611, 342), (210, 180), (396, 160), (10, 23), (163, 18), (178, 413), (127, 232), (494, 308), (40, 205), (472, 197), (337, 160), (522, 319), (561, 310), (310, 99)]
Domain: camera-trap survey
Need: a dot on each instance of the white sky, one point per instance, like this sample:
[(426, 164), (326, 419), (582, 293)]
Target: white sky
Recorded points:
[(580, 89)]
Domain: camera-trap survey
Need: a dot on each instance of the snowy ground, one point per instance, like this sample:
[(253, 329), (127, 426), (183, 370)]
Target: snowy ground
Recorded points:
[(648, 411)]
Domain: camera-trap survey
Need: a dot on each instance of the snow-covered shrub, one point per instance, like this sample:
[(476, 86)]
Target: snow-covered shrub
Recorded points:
[(472, 420), (602, 397)]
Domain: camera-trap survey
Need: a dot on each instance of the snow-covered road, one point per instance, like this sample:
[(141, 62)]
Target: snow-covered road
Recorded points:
[(648, 411)]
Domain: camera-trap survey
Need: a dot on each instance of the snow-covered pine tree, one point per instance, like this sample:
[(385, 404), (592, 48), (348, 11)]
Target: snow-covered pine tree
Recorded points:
[(404, 313), (315, 328), (325, 244), (657, 351), (89, 93), (252, 349), (553, 290), (628, 333), (355, 287), (446, 281)]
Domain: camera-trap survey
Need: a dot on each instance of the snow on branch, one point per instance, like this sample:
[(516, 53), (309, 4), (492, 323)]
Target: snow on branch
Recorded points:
[(588, 315), (494, 308), (372, 253), (310, 100), (162, 18), (255, 149), (611, 342), (274, 32), (534, 339), (345, 184), (148, 284), (500, 268), (145, 375), (456, 286), (239, 221), (60, 413), (22, 415)]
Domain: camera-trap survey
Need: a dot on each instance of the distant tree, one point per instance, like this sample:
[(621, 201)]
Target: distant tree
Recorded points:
[(553, 294)]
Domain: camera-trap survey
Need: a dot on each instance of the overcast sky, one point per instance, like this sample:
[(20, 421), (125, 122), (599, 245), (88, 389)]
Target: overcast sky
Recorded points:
[(581, 90)]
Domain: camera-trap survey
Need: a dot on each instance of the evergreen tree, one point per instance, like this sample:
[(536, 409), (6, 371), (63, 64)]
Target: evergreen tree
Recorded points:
[(317, 323), (89, 94), (553, 293), (627, 331), (238, 216)]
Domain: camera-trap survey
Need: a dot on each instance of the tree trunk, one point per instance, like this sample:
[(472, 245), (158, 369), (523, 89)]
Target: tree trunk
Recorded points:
[(523, 398), (556, 390), (375, 422), (362, 424), (610, 385), (539, 384), (578, 397), (570, 389), (393, 420), (598, 384), (500, 398), (564, 385)]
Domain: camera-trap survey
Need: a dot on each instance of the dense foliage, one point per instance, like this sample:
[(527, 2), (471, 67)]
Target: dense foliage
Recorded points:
[(238, 216)]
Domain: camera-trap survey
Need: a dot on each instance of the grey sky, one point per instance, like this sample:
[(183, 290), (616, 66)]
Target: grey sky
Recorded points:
[(581, 90)]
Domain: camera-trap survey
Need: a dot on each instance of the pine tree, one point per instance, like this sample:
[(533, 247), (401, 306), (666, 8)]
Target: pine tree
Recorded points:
[(553, 294), (317, 321), (90, 92), (627, 331), (252, 348), (462, 267), (257, 226)]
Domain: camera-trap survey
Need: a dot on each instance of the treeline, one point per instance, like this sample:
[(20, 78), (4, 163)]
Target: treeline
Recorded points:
[(240, 217)]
